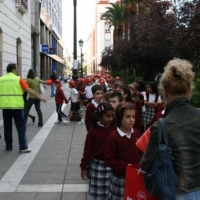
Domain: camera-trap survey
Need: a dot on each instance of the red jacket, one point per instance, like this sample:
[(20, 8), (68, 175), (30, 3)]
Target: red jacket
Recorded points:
[(60, 96)]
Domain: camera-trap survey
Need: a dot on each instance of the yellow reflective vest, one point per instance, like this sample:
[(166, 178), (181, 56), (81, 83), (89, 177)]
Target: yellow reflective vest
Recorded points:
[(11, 93)]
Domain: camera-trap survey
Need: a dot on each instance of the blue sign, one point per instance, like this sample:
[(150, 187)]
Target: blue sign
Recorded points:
[(44, 48)]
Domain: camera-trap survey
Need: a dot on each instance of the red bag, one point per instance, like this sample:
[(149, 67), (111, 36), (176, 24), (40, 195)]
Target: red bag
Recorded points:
[(134, 185), (49, 82)]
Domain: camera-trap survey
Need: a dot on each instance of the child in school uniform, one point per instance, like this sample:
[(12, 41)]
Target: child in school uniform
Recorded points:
[(97, 92), (88, 90), (125, 91), (75, 104), (81, 90), (152, 99), (114, 99), (121, 150), (59, 98), (94, 155), (137, 103)]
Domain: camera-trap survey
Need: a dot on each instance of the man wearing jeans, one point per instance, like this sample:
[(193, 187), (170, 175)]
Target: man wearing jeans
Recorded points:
[(12, 104)]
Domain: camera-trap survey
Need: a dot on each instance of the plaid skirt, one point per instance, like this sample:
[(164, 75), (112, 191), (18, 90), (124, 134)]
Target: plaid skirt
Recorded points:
[(116, 189), (100, 177), (149, 114)]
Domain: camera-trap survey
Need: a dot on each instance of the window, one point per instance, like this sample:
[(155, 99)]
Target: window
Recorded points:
[(107, 69)]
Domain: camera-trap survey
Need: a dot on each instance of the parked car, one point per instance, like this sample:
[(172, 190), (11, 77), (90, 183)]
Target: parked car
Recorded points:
[(66, 79)]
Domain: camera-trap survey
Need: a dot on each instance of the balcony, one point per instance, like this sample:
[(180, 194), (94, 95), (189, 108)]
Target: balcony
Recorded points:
[(22, 5)]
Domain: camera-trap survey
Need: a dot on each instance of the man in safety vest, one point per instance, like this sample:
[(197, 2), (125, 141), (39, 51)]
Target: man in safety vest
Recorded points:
[(12, 104)]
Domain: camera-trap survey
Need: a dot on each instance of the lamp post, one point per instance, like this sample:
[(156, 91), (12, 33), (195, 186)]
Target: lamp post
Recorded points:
[(81, 45), (75, 116)]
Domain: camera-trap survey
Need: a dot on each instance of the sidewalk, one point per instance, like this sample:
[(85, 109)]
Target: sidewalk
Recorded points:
[(51, 171)]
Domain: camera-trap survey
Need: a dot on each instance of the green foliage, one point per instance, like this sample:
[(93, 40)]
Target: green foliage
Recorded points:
[(195, 100), (125, 76)]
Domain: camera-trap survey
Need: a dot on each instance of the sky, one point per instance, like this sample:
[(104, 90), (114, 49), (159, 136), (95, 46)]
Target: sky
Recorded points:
[(85, 19)]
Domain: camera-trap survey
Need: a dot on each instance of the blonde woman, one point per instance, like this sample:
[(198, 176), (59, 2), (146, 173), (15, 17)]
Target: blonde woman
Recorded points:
[(183, 124)]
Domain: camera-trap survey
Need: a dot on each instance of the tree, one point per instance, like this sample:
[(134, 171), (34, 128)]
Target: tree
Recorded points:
[(115, 15)]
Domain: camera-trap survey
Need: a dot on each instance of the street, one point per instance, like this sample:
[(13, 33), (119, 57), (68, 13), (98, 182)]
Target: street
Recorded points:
[(51, 171)]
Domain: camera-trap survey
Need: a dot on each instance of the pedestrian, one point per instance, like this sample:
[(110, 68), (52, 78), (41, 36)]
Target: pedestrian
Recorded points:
[(81, 90), (33, 83), (59, 98), (94, 155), (75, 104), (137, 103), (182, 123), (53, 77), (25, 100), (88, 90), (125, 91), (121, 150), (114, 99), (151, 101), (12, 104), (97, 92)]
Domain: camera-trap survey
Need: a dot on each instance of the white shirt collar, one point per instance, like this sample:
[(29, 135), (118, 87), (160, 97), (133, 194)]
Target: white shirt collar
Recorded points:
[(99, 123), (94, 103), (122, 134)]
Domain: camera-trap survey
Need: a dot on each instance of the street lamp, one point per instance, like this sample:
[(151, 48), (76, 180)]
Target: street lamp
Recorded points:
[(81, 45)]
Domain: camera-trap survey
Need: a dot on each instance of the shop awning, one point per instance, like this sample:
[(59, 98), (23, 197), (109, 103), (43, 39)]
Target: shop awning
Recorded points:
[(57, 58)]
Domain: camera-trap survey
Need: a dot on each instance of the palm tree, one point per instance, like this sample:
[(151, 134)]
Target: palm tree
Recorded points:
[(130, 9), (115, 15)]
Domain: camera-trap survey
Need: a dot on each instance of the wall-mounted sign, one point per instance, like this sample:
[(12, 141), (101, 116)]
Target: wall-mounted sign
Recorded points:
[(44, 48), (52, 50)]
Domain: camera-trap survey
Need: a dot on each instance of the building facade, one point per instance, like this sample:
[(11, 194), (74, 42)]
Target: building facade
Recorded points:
[(51, 43), (100, 39), (31, 36), (15, 35)]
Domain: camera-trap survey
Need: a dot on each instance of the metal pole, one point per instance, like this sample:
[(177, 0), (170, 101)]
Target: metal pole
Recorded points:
[(75, 116), (75, 65)]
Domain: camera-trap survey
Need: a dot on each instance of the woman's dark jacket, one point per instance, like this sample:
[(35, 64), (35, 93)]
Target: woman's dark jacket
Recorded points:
[(183, 129)]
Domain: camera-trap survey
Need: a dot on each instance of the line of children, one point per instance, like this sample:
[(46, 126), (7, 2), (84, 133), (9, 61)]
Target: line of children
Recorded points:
[(107, 150), (127, 103)]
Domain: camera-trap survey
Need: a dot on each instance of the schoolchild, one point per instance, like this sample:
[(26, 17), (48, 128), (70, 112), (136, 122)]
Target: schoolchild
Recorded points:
[(114, 99), (121, 150), (106, 97), (59, 98), (142, 94), (81, 90), (137, 103), (110, 83), (125, 91), (151, 101), (75, 104), (94, 156), (103, 84), (88, 90), (97, 92)]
